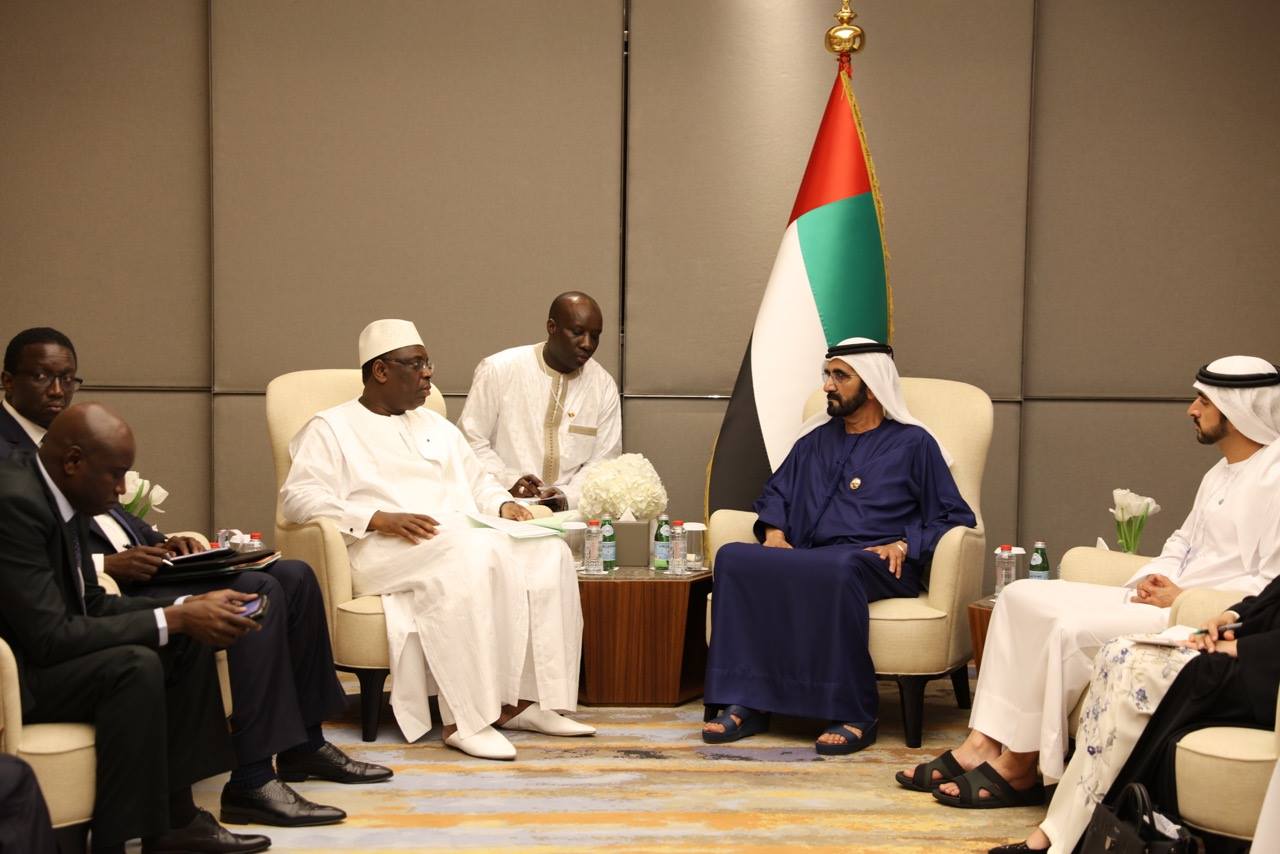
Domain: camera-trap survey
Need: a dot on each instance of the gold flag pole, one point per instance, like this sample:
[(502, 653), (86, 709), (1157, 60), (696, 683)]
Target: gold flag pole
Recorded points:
[(845, 38)]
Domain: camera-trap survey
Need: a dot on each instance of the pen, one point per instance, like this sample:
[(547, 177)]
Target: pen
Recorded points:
[(1229, 627)]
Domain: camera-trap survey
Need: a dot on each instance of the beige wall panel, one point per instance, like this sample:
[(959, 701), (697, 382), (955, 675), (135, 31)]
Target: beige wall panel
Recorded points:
[(1154, 184), (676, 436), (725, 101), (244, 480), (1075, 454), (1000, 484), (429, 160), (103, 176), (172, 434)]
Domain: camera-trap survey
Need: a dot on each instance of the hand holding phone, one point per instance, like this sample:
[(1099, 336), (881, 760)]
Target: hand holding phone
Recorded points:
[(256, 609)]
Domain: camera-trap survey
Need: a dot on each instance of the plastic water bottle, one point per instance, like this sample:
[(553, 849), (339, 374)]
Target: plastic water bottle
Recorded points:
[(661, 552), (1039, 562), (255, 542), (1006, 567), (676, 565), (591, 562)]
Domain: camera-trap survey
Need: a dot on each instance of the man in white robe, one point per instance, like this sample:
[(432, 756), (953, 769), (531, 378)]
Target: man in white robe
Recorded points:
[(538, 416), (1043, 635), (495, 623)]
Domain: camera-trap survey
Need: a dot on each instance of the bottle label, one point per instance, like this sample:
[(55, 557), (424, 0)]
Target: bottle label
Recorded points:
[(664, 531), (662, 551), (1037, 559), (606, 530), (609, 551)]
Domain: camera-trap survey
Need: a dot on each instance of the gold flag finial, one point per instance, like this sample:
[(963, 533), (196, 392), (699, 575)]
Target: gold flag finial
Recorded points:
[(844, 37)]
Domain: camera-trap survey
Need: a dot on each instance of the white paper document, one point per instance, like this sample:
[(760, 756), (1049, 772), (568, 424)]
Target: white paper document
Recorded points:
[(515, 530)]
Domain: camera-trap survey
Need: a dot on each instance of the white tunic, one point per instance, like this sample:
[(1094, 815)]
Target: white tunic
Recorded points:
[(1044, 634), (487, 619), (523, 417)]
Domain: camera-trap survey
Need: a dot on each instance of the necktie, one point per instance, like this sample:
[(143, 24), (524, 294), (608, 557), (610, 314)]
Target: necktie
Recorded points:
[(73, 533), (118, 514)]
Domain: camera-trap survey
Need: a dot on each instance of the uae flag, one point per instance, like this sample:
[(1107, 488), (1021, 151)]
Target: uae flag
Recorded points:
[(829, 282)]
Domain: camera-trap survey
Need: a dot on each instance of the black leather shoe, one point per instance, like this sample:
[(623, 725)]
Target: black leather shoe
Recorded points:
[(205, 836), (275, 803), (329, 763)]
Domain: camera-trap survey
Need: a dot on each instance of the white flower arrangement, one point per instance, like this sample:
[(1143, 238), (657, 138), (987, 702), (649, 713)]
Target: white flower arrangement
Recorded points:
[(141, 496), (625, 485), (1131, 512)]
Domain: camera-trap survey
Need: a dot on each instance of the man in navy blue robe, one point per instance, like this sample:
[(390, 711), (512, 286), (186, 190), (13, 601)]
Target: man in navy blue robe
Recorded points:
[(851, 516)]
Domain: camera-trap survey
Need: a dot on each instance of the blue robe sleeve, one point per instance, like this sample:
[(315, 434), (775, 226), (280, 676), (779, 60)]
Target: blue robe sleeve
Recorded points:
[(941, 506), (774, 503)]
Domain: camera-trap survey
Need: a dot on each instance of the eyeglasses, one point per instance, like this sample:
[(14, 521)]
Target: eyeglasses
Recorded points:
[(41, 380), (837, 376), (416, 365)]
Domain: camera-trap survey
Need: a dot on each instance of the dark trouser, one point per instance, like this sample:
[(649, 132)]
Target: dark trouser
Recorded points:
[(282, 677), (790, 629), (160, 727), (24, 817)]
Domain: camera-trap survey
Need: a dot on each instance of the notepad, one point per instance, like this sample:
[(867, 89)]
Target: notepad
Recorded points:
[(515, 530)]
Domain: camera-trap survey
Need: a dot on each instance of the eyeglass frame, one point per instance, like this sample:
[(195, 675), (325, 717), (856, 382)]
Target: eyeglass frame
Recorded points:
[(837, 376), (423, 364), (43, 380)]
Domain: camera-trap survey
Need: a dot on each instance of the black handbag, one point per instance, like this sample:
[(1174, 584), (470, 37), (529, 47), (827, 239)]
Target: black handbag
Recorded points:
[(1131, 829)]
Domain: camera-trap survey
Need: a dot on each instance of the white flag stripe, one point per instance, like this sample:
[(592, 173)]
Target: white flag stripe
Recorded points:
[(787, 346)]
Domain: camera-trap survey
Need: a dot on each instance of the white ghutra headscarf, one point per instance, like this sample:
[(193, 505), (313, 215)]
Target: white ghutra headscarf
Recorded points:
[(873, 363), (1246, 390)]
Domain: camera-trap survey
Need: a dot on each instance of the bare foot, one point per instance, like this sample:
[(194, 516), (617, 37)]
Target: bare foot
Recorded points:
[(1018, 769), (837, 738), (1037, 839)]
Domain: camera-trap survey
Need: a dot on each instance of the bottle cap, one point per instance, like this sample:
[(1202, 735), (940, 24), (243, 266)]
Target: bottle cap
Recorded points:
[(593, 522), (255, 535), (1039, 544), (1005, 547), (678, 522)]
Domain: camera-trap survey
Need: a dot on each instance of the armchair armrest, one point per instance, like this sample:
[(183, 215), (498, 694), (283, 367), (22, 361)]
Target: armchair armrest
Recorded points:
[(321, 545), (10, 701), (1193, 607), (729, 526), (1098, 566)]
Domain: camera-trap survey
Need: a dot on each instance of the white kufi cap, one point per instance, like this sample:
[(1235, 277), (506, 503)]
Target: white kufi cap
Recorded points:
[(383, 336)]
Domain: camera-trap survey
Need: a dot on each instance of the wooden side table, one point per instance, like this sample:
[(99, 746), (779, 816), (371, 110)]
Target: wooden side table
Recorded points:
[(643, 637), (979, 619)]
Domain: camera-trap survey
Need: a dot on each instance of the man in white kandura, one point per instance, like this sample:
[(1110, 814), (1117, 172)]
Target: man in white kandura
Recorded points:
[(1044, 634), (537, 416), (493, 622)]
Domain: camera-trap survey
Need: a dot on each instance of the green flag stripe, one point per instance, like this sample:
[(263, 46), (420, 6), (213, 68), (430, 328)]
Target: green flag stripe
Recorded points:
[(844, 258)]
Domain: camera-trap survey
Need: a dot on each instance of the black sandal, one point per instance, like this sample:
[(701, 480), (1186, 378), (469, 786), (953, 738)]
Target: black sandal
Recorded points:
[(852, 743), (922, 779), (752, 722), (1000, 793)]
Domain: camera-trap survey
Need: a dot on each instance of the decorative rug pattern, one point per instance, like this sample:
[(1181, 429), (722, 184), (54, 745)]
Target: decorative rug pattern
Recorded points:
[(647, 783)]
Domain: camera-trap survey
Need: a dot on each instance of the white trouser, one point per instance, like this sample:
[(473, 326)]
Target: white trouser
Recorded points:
[(1038, 657)]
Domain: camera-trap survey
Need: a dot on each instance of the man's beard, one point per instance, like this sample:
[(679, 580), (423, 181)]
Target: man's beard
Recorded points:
[(838, 408), (1207, 437)]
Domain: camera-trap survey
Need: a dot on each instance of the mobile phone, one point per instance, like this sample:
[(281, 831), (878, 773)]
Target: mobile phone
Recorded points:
[(256, 609)]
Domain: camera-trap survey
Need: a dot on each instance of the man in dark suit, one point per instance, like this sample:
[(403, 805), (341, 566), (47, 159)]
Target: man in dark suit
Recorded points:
[(135, 667), (283, 682)]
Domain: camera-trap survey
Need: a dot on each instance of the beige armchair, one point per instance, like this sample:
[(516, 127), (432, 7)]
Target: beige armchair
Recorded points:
[(917, 640), (357, 626), (1222, 771)]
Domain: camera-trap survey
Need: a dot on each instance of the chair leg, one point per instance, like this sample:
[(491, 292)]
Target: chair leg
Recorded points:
[(960, 682), (372, 681), (911, 695)]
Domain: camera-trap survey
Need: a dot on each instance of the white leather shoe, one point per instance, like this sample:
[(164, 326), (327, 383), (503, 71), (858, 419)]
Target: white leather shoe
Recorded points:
[(488, 743), (534, 719)]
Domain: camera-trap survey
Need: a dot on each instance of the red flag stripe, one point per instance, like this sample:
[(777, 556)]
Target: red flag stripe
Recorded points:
[(837, 165)]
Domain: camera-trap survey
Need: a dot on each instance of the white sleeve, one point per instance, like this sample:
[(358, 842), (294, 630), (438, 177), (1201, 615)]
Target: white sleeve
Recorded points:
[(488, 493), (608, 442), (1169, 563), (479, 419), (318, 485)]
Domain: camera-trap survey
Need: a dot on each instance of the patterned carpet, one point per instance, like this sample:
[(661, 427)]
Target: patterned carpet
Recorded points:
[(647, 782)]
